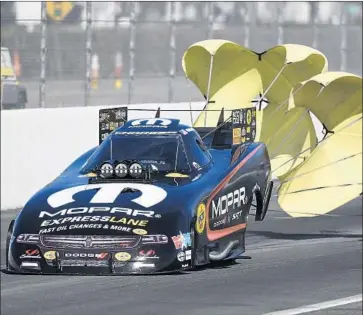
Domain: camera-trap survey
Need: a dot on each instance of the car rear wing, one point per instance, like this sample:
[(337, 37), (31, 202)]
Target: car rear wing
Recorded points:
[(238, 129), (109, 120)]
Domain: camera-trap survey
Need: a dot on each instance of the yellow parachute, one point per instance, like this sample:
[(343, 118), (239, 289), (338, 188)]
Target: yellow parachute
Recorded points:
[(294, 81), (332, 175)]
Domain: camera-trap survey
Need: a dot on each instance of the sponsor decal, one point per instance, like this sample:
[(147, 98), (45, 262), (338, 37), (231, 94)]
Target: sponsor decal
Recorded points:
[(138, 264), (50, 255), (44, 231), (95, 218), (139, 231), (31, 265), (237, 215), (86, 255), (181, 256), (147, 254), (182, 241), (197, 166), (153, 122), (228, 202), (86, 226), (184, 256), (201, 217), (107, 193), (244, 125), (152, 161), (220, 222), (249, 116), (31, 253), (176, 175), (155, 239), (236, 136), (185, 265), (82, 263), (188, 255), (122, 256)]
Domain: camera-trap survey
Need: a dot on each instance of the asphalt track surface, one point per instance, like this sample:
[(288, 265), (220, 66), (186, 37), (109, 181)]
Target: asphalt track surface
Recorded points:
[(294, 262)]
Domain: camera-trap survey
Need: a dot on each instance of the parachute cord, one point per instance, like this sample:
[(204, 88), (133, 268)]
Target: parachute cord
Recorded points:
[(216, 128), (272, 83), (316, 188), (318, 168), (209, 86), (284, 102), (190, 102), (316, 214)]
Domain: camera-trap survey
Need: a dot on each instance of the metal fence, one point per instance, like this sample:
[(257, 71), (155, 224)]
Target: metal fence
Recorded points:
[(93, 53)]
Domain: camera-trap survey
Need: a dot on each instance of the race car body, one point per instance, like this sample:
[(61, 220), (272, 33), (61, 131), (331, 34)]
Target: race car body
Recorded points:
[(150, 198), (13, 93)]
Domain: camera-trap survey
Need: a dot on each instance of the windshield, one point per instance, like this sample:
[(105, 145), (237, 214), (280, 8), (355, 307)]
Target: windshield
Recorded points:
[(164, 153)]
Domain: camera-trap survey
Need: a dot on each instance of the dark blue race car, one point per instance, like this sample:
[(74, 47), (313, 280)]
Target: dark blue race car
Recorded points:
[(154, 196)]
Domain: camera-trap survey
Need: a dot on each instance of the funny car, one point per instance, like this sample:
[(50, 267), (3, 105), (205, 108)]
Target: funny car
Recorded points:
[(155, 196)]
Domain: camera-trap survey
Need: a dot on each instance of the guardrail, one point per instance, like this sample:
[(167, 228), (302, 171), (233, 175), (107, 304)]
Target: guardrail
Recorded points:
[(38, 144)]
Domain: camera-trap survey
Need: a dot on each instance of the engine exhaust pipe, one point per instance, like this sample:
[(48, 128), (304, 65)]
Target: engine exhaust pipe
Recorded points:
[(223, 254)]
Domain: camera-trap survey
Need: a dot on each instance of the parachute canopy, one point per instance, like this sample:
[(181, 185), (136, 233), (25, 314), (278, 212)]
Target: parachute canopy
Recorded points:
[(293, 79)]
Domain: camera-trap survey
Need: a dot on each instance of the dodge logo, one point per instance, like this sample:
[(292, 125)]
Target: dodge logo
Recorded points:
[(88, 242)]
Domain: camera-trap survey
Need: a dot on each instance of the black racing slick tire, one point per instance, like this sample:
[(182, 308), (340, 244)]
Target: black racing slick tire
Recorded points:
[(267, 199), (8, 239)]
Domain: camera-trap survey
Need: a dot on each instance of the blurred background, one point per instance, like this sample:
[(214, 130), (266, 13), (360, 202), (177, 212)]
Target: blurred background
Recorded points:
[(112, 53)]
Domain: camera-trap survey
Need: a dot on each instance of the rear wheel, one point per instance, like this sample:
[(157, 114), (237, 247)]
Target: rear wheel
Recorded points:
[(8, 239)]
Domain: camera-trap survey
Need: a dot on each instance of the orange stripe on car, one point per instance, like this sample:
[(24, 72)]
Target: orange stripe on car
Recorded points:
[(214, 235)]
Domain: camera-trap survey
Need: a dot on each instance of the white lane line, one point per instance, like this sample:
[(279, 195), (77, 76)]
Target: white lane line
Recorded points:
[(319, 306)]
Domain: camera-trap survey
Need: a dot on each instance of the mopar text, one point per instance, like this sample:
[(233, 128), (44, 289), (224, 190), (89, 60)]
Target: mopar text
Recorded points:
[(228, 202)]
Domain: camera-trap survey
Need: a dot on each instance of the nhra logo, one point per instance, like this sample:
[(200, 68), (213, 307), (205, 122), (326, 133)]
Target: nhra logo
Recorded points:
[(107, 193), (233, 200)]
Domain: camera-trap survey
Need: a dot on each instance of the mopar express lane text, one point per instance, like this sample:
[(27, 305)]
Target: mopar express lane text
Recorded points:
[(108, 219), (53, 218)]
